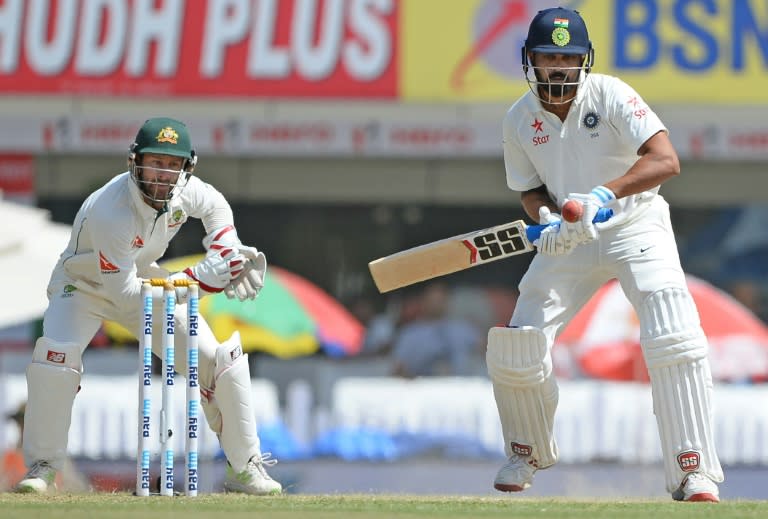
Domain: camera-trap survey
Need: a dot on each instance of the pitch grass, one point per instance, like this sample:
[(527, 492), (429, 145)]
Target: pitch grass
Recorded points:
[(232, 506)]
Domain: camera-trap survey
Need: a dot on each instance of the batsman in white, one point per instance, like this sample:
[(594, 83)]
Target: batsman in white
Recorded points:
[(592, 138), (118, 234)]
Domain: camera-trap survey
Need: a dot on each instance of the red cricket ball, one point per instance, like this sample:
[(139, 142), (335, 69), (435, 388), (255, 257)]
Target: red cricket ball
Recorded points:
[(572, 211)]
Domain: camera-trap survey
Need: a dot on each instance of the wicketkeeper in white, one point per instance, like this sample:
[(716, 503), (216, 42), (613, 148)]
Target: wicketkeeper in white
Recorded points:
[(591, 138), (118, 234)]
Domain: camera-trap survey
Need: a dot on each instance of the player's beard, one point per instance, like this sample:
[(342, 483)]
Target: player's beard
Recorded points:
[(558, 84), (156, 192)]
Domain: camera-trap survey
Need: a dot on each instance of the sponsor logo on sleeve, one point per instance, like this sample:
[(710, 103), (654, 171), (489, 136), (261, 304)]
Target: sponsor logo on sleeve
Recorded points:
[(639, 109), (137, 242), (107, 267)]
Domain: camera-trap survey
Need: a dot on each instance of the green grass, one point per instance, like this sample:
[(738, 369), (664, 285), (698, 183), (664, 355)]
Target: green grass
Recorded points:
[(229, 506)]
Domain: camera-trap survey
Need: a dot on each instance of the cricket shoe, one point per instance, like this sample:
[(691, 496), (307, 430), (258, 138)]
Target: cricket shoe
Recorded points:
[(39, 480), (517, 474), (697, 487), (254, 479)]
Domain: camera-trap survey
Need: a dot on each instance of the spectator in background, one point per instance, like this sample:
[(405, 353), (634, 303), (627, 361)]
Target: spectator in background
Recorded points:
[(436, 343), (381, 327), (13, 469), (744, 267)]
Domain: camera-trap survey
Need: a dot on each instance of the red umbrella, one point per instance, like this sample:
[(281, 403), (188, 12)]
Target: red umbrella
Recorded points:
[(604, 337)]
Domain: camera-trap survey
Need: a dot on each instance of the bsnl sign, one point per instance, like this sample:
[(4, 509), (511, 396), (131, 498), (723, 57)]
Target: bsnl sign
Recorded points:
[(692, 35)]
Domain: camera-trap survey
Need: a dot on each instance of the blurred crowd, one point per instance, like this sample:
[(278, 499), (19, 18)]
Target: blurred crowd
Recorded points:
[(731, 250), (434, 329)]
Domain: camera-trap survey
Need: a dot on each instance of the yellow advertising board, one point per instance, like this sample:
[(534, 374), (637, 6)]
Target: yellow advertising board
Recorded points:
[(671, 51)]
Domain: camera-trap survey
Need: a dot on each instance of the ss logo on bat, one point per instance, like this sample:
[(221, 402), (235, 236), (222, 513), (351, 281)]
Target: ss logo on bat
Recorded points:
[(500, 243)]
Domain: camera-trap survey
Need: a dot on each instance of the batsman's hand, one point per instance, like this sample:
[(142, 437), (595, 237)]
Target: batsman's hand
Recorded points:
[(555, 239), (547, 217), (592, 202)]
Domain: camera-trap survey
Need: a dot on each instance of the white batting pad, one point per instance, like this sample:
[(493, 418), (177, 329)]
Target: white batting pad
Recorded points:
[(52, 384), (238, 436), (526, 392), (675, 350)]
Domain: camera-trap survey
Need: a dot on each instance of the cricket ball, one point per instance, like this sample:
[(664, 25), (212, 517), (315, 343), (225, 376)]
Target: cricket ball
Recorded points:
[(572, 211)]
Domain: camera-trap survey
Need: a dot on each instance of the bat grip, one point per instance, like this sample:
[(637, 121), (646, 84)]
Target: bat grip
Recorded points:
[(532, 232)]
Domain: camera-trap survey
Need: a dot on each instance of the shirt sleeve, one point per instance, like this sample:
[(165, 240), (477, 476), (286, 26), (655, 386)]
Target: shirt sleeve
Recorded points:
[(208, 204), (520, 171), (631, 115)]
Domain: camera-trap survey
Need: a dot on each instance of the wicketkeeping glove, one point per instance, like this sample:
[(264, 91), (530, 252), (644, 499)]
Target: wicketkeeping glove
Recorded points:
[(592, 201), (221, 238), (251, 281), (218, 269)]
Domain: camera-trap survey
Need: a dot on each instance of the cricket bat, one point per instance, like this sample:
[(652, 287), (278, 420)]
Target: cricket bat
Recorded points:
[(458, 253)]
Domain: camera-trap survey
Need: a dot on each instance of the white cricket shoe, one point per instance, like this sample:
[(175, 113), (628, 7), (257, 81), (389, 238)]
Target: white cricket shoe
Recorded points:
[(39, 479), (697, 487), (254, 479), (517, 474)]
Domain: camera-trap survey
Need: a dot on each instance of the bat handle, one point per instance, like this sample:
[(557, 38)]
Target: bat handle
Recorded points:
[(534, 231)]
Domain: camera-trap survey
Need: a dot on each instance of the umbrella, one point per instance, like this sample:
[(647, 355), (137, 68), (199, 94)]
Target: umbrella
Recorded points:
[(603, 340), (30, 245), (291, 317)]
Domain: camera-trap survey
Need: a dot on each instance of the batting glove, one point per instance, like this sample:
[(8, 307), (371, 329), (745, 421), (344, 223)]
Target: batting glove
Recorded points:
[(555, 239), (592, 202)]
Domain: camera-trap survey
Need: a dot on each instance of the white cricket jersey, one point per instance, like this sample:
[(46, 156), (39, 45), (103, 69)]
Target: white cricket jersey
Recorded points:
[(116, 237), (606, 125)]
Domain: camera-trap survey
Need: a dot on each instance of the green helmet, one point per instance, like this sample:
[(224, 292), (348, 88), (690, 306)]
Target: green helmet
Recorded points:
[(164, 136)]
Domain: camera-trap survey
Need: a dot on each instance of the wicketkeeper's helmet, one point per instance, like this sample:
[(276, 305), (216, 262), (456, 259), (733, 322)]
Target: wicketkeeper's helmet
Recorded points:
[(164, 136)]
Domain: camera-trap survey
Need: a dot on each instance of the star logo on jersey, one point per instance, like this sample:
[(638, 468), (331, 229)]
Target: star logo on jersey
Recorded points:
[(537, 125), (107, 267), (137, 242)]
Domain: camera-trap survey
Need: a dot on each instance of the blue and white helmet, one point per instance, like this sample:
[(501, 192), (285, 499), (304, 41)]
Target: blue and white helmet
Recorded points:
[(557, 30)]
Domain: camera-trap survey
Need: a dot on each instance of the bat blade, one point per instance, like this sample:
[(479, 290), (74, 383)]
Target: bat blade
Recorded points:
[(459, 252), (449, 255)]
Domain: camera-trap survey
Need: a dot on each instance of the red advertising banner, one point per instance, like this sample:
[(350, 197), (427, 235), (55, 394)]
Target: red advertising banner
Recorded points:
[(202, 48), (17, 177)]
